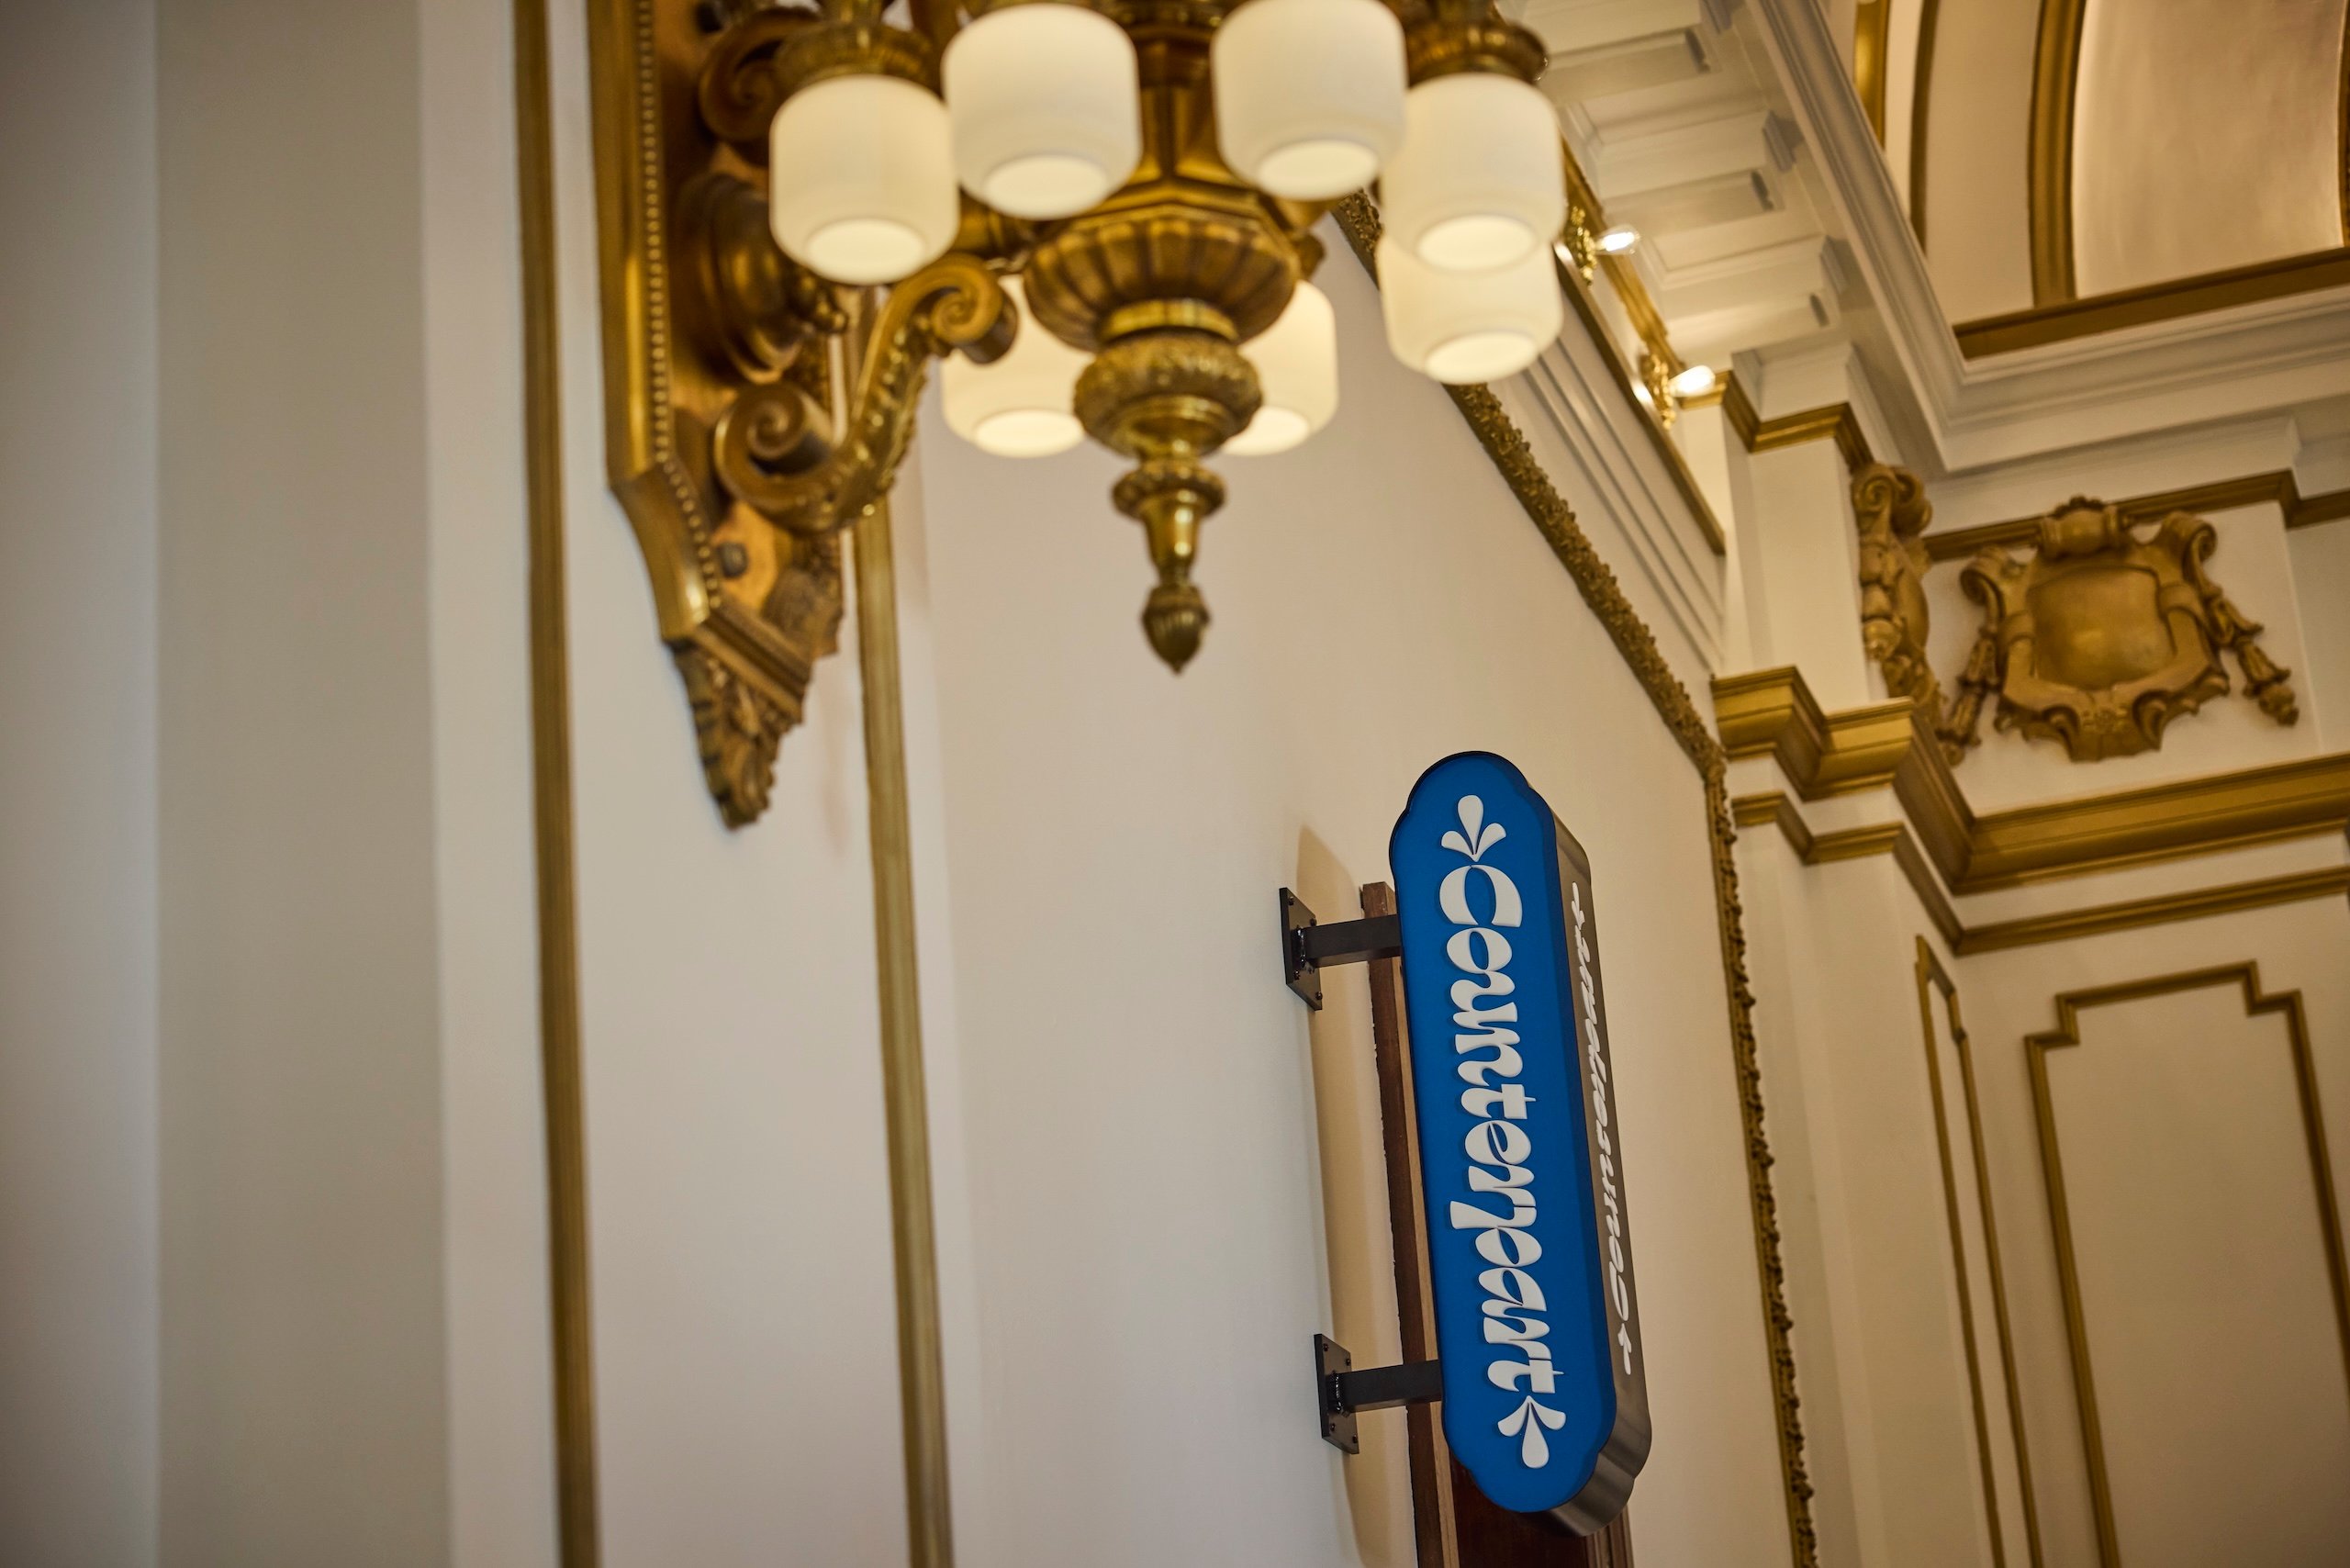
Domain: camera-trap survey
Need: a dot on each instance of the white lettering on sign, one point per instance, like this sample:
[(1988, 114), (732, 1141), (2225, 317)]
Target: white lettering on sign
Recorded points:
[(1501, 1153), (1619, 1300)]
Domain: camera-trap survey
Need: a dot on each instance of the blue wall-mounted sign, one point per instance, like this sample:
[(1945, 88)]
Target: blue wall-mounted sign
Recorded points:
[(1529, 1249)]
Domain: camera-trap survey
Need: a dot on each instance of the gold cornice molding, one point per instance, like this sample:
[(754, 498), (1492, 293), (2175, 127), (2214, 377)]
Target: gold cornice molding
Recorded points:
[(2257, 1003), (1771, 712), (2304, 798), (1774, 809), (2279, 487), (1830, 422), (2061, 321)]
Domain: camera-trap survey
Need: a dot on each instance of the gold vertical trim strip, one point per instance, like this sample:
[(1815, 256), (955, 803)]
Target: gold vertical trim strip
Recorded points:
[(1932, 976), (574, 1343), (1920, 95), (2056, 78), (2069, 1007), (905, 1099), (2342, 142)]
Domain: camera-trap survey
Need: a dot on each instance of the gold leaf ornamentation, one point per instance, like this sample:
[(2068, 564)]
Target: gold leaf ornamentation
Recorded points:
[(2106, 633)]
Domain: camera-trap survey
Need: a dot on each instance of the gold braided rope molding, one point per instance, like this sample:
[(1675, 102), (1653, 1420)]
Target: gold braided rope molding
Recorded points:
[(1507, 446)]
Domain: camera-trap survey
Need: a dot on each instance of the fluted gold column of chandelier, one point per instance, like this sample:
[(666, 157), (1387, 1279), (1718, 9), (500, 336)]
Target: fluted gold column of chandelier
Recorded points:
[(1101, 215)]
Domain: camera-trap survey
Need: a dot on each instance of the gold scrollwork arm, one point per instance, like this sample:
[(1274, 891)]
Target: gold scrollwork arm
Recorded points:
[(1890, 508), (772, 450)]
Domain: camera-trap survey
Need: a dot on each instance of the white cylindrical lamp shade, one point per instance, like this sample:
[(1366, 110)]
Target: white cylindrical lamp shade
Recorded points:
[(1021, 406), (1309, 94), (1297, 371), (861, 179), (1046, 107), (1480, 179), (1467, 327)]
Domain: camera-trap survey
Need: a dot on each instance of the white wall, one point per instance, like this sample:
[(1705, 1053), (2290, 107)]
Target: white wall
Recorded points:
[(78, 1309), (304, 1416), (1168, 1162), (499, 1386)]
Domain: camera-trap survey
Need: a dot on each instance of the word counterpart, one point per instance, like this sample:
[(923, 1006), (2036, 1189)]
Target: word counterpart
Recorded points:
[(1529, 1242)]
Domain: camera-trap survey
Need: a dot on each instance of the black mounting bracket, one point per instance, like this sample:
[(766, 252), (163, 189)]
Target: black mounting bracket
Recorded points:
[(1307, 945), (1342, 1390)]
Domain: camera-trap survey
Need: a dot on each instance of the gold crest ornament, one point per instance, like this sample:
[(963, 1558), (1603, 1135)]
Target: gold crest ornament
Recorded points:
[(2105, 634)]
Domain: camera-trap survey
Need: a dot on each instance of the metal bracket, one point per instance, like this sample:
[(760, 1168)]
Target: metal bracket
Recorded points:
[(1307, 945), (1342, 1390)]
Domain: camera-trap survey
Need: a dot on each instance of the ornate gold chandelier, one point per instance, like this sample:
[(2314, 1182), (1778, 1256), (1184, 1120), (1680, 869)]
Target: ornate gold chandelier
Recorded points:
[(1099, 214)]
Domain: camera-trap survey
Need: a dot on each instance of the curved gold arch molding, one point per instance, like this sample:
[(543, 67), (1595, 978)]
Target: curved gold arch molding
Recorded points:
[(2056, 77), (1921, 77)]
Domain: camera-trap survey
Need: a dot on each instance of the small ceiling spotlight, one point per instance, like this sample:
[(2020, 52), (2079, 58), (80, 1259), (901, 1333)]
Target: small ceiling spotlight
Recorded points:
[(1618, 241)]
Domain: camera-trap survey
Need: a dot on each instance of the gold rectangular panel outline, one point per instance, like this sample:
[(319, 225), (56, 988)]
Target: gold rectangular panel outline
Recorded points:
[(2068, 1032), (1932, 976)]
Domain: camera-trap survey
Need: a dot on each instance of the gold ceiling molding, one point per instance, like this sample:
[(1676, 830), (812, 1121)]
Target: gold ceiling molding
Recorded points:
[(1771, 712), (2278, 488), (2104, 635), (1774, 809), (1832, 421), (1586, 221), (2056, 78), (572, 1318), (1932, 978), (1635, 643), (2067, 1034), (2069, 319)]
